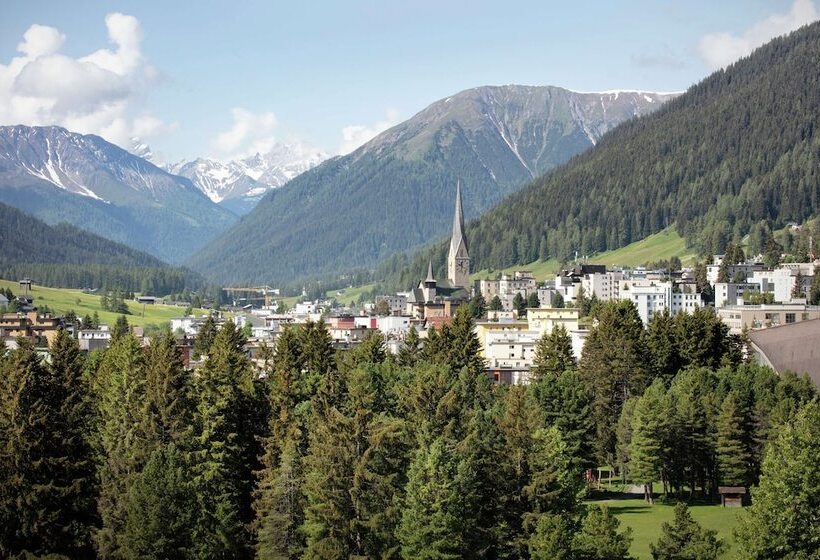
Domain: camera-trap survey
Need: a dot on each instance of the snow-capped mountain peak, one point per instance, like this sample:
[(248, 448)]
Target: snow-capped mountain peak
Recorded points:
[(239, 184)]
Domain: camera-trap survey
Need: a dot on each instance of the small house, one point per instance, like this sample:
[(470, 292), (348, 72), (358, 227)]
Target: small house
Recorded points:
[(732, 496)]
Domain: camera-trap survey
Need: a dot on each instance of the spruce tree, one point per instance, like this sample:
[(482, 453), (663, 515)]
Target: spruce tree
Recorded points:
[(124, 443), (433, 518), (161, 509), (551, 538), (599, 538), (462, 346), (495, 304), (554, 486), (646, 447), (46, 498), (205, 337), (567, 405), (280, 503), (733, 455), (121, 327), (221, 447), (782, 521), (411, 349), (613, 367), (553, 354), (168, 398), (520, 305), (685, 539)]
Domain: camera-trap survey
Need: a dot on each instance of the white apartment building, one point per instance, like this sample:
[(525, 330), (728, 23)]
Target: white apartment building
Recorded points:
[(604, 286), (656, 297)]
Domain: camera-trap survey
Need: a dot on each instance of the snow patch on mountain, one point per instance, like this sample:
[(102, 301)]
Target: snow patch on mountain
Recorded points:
[(247, 180)]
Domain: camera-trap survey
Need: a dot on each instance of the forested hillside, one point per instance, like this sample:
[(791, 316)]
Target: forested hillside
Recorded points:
[(735, 149), (68, 257), (397, 191)]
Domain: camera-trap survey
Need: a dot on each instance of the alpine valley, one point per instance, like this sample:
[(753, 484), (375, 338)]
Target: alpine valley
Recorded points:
[(60, 176), (395, 192)]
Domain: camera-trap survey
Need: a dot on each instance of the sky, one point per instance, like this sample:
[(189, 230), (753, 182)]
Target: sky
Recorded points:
[(227, 79)]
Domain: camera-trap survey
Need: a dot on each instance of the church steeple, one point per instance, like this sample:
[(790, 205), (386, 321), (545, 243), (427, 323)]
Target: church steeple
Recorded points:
[(458, 261)]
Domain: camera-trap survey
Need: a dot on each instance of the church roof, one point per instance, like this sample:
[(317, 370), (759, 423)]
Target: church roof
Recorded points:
[(458, 239), (430, 271)]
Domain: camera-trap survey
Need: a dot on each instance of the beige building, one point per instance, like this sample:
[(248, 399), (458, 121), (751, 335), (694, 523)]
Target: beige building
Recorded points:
[(753, 317), (545, 319)]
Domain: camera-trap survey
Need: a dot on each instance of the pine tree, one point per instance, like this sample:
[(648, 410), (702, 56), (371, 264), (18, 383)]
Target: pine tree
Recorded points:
[(685, 539), (221, 448), (646, 448), (161, 509), (280, 503), (532, 301), (169, 402), (72, 427), (662, 347), (553, 354), (350, 479), (121, 328), (318, 356), (551, 538), (520, 305), (45, 497), (567, 405), (461, 344), (205, 337), (624, 436), (599, 538), (613, 367), (433, 518), (496, 304), (410, 352), (122, 438), (782, 520), (554, 486), (733, 455)]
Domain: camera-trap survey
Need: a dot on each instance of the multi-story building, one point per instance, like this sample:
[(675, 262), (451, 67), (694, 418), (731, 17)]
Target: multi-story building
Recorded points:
[(651, 298), (738, 317), (605, 286), (732, 293), (40, 329)]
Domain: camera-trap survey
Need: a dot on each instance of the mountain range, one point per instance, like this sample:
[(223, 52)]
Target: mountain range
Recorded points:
[(61, 176), (737, 150), (239, 184), (396, 192)]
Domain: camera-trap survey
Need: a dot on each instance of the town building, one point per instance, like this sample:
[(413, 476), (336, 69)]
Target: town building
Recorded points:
[(794, 347), (740, 317), (41, 330)]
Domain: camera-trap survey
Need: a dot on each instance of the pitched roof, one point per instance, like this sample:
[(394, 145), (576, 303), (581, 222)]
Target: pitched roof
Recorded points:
[(794, 347)]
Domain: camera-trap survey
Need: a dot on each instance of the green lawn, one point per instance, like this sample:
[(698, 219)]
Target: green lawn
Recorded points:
[(659, 246), (60, 300), (646, 521), (346, 295)]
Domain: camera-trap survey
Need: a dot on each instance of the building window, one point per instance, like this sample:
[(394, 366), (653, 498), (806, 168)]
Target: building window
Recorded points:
[(789, 318)]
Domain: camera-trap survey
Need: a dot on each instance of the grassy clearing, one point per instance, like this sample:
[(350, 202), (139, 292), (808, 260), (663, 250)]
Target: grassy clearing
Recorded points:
[(61, 300), (660, 246), (346, 295), (646, 521)]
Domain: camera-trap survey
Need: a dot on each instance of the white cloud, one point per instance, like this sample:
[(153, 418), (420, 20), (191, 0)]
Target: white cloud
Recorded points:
[(721, 49), (355, 135), (250, 133), (99, 93)]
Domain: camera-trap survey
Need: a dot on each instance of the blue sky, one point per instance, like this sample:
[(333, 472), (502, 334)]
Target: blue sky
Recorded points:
[(226, 78)]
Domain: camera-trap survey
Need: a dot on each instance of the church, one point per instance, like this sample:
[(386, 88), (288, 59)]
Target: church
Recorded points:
[(437, 300)]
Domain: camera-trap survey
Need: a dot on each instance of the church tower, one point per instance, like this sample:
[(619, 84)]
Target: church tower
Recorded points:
[(458, 261)]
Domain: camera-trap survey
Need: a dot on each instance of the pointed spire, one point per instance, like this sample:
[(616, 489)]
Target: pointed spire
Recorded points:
[(458, 224), (430, 271)]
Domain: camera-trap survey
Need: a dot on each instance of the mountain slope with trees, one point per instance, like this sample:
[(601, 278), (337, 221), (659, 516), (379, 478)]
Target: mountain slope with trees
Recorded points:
[(68, 257), (396, 192), (61, 176), (734, 150)]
